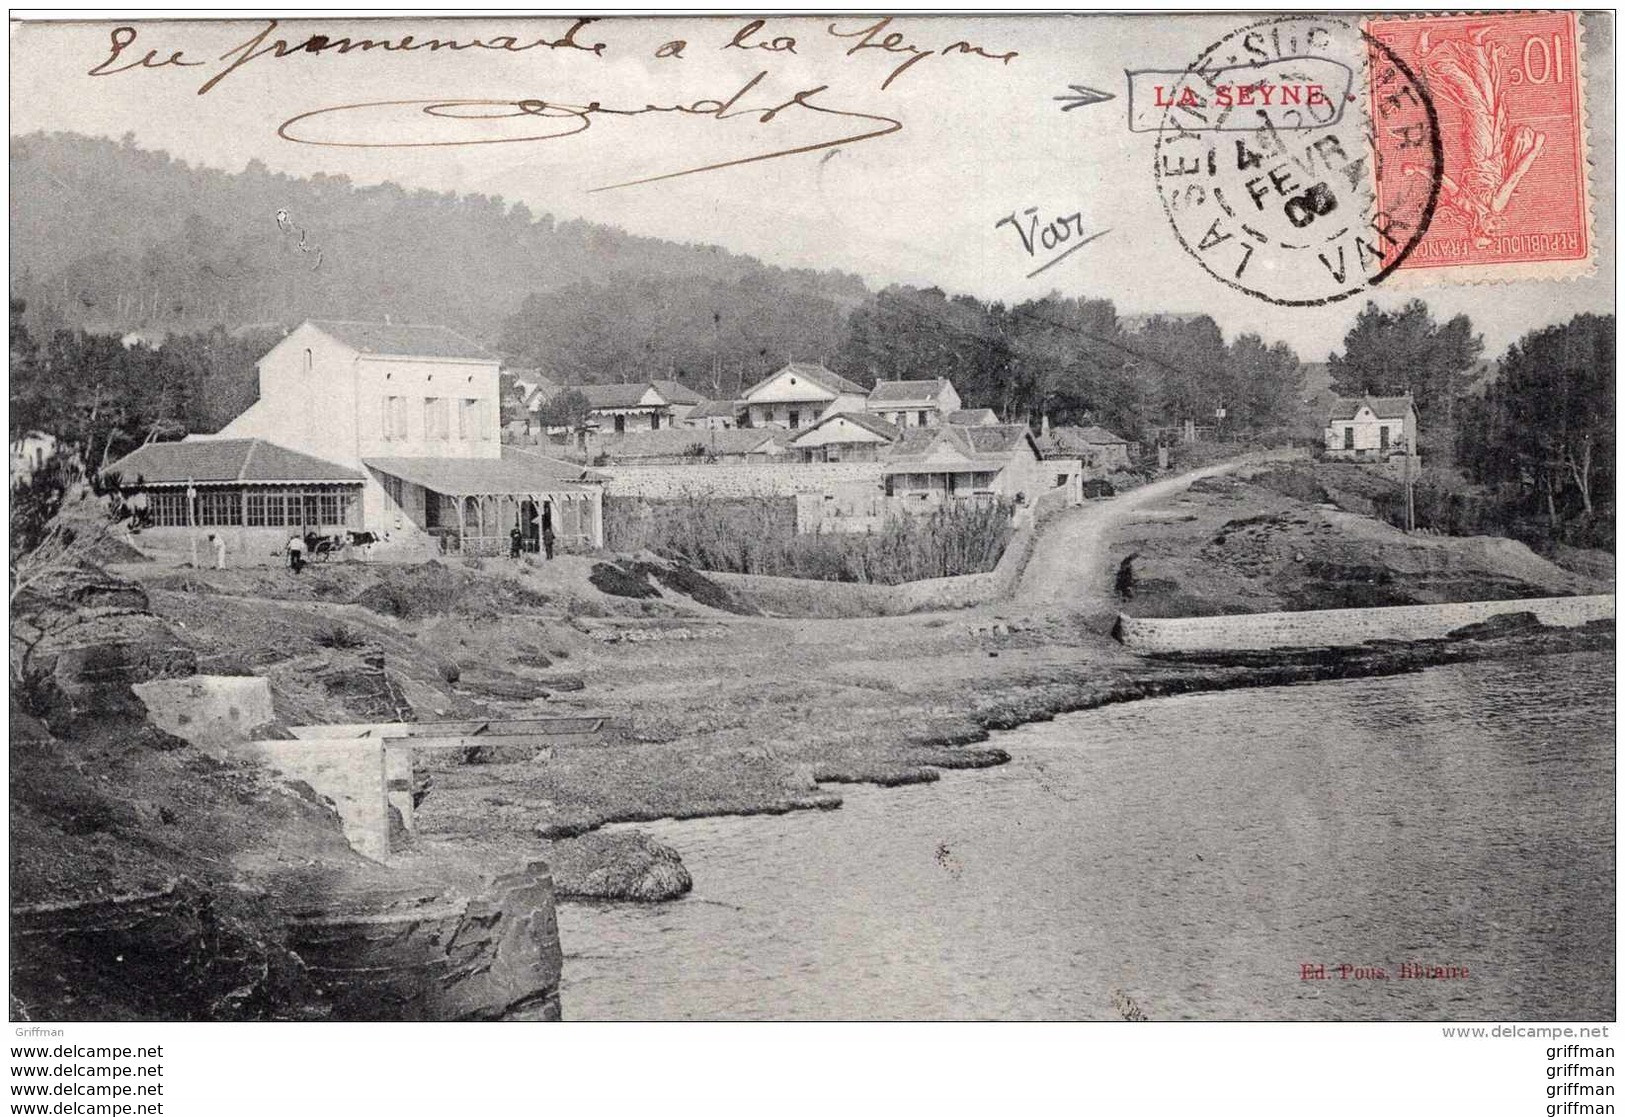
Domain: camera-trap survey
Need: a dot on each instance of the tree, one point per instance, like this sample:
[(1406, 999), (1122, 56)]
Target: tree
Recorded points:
[(1546, 423), (1389, 353), (568, 408)]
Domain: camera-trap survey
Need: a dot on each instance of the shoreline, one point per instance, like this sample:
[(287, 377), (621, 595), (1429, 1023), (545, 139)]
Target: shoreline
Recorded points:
[(1199, 674)]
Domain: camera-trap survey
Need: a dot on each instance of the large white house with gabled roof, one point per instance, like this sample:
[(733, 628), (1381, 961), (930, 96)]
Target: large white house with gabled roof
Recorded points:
[(412, 414), (800, 394)]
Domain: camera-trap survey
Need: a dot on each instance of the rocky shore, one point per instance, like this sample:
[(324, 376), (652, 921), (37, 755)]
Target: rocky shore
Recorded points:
[(729, 712)]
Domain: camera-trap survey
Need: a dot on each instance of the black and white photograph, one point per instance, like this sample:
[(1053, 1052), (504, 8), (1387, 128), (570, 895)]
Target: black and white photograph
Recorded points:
[(1096, 518)]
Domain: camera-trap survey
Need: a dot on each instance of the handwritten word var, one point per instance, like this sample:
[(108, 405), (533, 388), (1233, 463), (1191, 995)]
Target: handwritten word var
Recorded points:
[(1051, 236)]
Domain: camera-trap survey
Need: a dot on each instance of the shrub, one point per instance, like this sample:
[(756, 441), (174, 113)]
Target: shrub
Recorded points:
[(758, 536), (339, 635)]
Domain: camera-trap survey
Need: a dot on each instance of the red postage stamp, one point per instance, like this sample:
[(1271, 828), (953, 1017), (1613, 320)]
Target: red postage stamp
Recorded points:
[(1513, 196)]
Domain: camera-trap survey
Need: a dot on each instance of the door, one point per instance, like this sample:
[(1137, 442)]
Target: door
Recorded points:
[(530, 525)]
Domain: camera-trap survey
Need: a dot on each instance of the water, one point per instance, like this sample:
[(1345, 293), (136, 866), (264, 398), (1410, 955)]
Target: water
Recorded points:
[(1186, 855)]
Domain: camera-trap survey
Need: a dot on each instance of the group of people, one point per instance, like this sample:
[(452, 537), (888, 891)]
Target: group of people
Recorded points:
[(516, 541), (297, 547)]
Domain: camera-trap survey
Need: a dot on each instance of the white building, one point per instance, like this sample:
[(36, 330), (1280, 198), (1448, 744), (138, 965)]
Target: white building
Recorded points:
[(411, 413), (913, 403), (798, 395), (1371, 428)]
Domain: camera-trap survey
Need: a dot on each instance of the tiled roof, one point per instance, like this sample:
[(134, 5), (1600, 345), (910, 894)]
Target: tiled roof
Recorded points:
[(871, 423), (717, 409), (990, 446), (999, 439), (529, 385), (673, 392), (217, 461), (1079, 439), (813, 373), (907, 391), (972, 417), (1383, 407), (384, 339), (516, 472), (612, 395)]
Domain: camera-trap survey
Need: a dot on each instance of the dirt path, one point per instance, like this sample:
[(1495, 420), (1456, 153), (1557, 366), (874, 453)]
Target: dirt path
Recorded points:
[(1069, 566)]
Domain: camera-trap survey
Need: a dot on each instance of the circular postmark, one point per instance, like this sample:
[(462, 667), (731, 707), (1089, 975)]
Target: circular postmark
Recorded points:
[(1269, 168)]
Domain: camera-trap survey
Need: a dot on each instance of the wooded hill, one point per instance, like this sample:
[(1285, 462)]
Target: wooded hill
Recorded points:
[(110, 237)]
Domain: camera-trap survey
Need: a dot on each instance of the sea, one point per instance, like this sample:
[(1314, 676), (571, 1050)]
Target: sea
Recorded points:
[(1430, 846)]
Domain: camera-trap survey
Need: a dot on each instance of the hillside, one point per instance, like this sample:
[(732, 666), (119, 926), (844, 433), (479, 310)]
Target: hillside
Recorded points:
[(111, 237)]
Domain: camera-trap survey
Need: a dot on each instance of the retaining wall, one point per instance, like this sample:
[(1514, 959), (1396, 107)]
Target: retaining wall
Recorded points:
[(1322, 628), (737, 479), (211, 711)]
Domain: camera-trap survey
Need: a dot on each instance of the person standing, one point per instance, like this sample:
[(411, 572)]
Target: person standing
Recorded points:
[(219, 542), (547, 539), (296, 552), (1125, 577), (516, 541)]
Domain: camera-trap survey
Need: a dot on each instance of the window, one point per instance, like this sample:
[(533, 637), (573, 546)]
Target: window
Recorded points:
[(435, 419), (167, 509), (471, 420), (220, 508), (310, 362), (394, 489), (654, 420), (922, 418), (1348, 438), (795, 419), (394, 417), (1383, 433), (620, 424)]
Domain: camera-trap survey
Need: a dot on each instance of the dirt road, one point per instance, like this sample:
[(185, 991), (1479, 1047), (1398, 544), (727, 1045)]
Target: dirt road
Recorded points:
[(1069, 568)]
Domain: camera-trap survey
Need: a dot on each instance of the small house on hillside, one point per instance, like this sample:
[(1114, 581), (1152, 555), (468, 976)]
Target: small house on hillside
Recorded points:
[(1100, 449), (391, 432), (680, 400), (933, 465), (850, 436), (651, 405), (1371, 428), (715, 415), (800, 394), (913, 403)]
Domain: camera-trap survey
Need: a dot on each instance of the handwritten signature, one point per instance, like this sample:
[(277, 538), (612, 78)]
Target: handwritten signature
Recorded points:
[(357, 125), (1051, 236), (556, 120)]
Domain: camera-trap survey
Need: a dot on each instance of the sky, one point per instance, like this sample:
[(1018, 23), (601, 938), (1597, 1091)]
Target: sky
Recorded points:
[(966, 137)]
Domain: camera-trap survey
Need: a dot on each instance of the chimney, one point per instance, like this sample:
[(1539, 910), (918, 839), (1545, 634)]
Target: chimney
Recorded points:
[(1043, 426)]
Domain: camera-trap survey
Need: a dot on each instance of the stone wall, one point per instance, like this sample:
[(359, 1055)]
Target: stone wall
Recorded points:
[(351, 773), (1345, 627), (211, 711), (736, 480)]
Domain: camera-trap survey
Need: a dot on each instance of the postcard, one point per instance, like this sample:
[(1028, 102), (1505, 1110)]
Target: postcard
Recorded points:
[(837, 517)]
